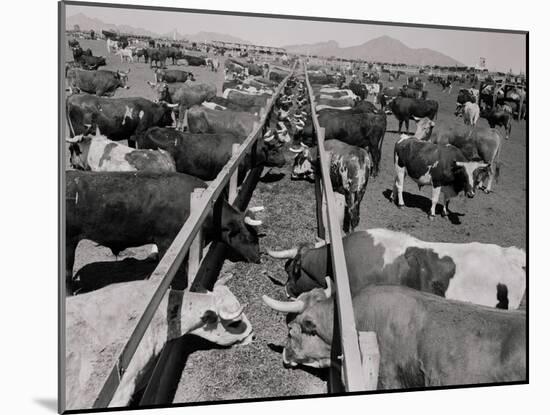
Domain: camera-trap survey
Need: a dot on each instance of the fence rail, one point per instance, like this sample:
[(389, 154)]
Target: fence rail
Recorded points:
[(188, 235), (359, 350)]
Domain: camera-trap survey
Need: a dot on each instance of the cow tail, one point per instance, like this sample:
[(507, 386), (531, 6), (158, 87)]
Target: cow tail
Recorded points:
[(69, 118), (498, 164)]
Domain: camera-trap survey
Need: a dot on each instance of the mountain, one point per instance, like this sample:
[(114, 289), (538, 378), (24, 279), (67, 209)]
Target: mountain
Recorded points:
[(381, 49), (87, 23)]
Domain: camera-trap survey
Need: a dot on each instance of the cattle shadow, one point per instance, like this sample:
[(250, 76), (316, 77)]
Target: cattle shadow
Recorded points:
[(322, 374), (272, 177), (159, 384), (424, 204)]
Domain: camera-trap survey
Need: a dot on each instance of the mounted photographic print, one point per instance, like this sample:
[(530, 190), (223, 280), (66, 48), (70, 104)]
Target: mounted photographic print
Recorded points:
[(264, 206)]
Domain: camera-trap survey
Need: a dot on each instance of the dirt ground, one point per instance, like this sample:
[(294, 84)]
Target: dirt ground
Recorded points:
[(256, 370)]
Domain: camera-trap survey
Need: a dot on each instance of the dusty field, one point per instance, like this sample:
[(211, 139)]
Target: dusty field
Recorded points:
[(256, 370)]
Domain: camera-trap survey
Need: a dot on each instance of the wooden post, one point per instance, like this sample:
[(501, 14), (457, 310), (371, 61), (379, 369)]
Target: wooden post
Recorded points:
[(234, 177), (320, 200), (262, 113), (195, 251), (370, 358)]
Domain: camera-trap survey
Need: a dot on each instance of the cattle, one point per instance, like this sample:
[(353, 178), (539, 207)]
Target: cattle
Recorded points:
[(117, 118), (359, 108), (98, 153), (466, 271), (424, 340), (443, 167), (350, 168), (194, 60), (204, 155), (139, 52), (424, 128), (100, 83), (97, 325), (387, 95), (245, 99), (73, 43), (172, 75), (158, 56), (406, 108), (186, 95), (230, 105), (125, 55), (204, 120), (497, 117), (446, 84), (96, 275), (475, 143), (109, 209), (470, 113), (112, 45), (86, 60), (364, 130)]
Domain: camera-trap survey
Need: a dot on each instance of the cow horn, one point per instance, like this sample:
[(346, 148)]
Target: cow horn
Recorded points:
[(284, 254), (296, 306), (252, 222), (295, 150), (255, 209), (75, 139), (328, 290), (269, 136), (151, 84), (171, 105), (416, 118), (231, 315)]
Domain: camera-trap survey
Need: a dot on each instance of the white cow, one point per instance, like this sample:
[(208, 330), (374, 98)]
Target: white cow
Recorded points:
[(112, 45), (99, 323), (470, 112), (125, 54)]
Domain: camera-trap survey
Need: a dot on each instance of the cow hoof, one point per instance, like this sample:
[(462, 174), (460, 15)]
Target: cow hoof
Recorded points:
[(431, 217), (401, 206)]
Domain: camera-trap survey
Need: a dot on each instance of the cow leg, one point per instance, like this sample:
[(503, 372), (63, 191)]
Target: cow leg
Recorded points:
[(446, 200), (398, 185), (508, 129), (406, 125), (400, 125), (435, 198)]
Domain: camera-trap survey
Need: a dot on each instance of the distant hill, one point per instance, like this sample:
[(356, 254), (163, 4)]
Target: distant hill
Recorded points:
[(381, 49), (87, 23)]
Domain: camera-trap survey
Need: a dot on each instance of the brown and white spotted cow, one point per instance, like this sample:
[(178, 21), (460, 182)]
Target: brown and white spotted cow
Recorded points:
[(444, 167), (350, 168), (98, 153), (479, 273)]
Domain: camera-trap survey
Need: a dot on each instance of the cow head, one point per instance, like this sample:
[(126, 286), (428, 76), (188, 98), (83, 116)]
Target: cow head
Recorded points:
[(162, 90), (272, 148), (123, 78), (303, 167), (424, 127), (238, 230), (470, 175), (310, 325), (165, 114), (79, 147), (221, 316)]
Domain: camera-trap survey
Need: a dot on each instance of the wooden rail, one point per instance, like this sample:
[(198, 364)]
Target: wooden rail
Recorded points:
[(166, 269), (357, 374)]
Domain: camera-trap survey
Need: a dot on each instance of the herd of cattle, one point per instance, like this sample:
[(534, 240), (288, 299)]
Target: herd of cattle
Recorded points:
[(444, 314)]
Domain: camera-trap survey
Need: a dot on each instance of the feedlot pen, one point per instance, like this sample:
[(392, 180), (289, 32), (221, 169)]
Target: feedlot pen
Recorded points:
[(256, 370)]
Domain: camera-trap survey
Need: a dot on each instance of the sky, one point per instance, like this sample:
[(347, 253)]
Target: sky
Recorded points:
[(503, 51)]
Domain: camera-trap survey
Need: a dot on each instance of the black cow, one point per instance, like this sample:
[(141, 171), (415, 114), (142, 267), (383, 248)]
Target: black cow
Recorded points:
[(109, 209), (158, 56), (406, 108), (86, 60), (173, 75), (364, 130), (497, 117), (97, 82), (194, 60), (204, 155), (444, 167), (117, 118)]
